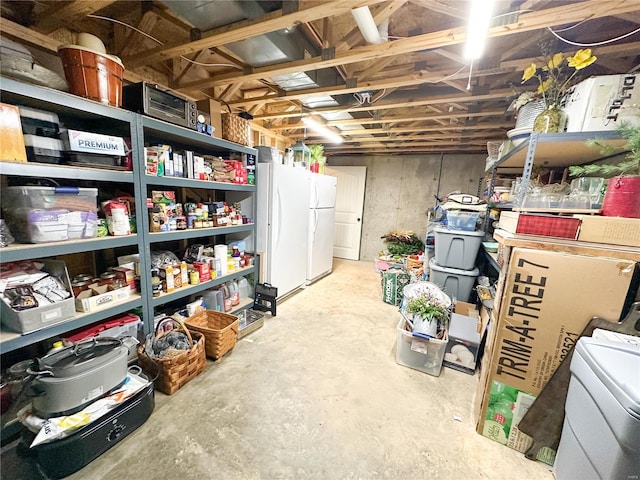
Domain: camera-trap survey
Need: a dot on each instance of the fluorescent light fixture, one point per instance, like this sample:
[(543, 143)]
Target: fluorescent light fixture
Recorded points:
[(367, 25), (479, 19), (322, 129)]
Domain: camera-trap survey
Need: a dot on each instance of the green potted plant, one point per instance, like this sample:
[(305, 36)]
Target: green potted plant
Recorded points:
[(622, 197), (403, 242), (318, 160), (428, 314)]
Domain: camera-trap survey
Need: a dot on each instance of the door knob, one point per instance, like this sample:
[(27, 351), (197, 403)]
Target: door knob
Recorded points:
[(358, 219)]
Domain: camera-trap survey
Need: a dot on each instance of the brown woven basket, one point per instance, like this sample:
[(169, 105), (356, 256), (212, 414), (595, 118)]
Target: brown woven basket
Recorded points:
[(235, 128), (220, 331), (181, 367)]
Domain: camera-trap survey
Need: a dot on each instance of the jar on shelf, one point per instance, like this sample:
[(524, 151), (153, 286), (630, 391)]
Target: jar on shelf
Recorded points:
[(551, 120)]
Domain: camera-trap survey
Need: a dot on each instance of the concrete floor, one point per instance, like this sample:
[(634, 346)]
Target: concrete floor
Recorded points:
[(314, 394)]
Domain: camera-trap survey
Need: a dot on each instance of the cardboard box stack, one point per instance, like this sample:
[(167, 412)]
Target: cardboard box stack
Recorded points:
[(546, 301)]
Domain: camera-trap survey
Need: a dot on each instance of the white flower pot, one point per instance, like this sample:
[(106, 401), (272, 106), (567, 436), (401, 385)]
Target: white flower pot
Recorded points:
[(424, 326)]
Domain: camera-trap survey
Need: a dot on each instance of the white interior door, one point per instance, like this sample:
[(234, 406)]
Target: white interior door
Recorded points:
[(349, 207)]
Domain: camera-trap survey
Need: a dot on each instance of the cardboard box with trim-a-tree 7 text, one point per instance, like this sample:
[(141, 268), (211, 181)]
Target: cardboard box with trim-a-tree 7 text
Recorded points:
[(548, 298)]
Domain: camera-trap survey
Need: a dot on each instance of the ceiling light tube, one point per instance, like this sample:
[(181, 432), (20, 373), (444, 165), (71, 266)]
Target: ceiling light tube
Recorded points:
[(478, 27), (323, 130), (367, 25)]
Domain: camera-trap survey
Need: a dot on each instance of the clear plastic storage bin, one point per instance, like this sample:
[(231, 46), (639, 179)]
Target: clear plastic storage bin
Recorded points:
[(50, 214), (458, 220), (419, 353)]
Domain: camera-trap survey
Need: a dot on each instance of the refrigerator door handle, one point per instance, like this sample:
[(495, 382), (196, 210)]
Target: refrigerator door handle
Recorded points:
[(315, 221), (278, 226), (317, 191)]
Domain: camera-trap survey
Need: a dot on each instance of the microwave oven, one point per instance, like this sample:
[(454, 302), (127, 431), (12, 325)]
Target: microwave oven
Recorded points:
[(149, 99)]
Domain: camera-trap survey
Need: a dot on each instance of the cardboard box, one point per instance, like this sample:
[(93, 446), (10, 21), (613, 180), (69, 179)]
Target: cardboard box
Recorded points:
[(393, 281), (12, 147), (99, 297), (547, 299), (610, 230), (127, 275), (214, 110), (462, 348), (507, 406), (33, 319), (602, 102)]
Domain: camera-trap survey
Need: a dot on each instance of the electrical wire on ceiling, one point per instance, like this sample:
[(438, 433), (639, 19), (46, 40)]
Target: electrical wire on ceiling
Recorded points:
[(109, 19), (594, 44)]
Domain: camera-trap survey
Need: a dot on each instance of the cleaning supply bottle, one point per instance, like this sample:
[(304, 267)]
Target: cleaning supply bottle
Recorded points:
[(243, 288), (235, 294), (210, 299), (227, 297), (220, 300)]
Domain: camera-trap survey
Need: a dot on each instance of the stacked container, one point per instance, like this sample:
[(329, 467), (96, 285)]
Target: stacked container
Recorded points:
[(453, 266)]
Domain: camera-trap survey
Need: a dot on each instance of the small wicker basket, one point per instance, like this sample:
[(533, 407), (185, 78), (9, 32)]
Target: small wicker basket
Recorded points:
[(181, 366), (219, 329)]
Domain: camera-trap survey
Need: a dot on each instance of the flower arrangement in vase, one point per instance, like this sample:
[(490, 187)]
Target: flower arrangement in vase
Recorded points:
[(554, 78)]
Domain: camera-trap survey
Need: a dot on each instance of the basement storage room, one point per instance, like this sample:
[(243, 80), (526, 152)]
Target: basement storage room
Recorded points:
[(339, 239)]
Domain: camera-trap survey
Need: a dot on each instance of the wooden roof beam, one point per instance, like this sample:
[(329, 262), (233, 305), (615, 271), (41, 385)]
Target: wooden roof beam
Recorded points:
[(417, 78), (440, 7), (64, 14), (235, 32), (526, 22)]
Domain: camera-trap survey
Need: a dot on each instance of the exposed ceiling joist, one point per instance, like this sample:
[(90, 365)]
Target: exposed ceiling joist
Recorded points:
[(66, 13), (246, 29)]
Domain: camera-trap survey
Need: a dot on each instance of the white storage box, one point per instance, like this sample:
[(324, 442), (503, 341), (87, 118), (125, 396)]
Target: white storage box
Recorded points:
[(464, 340), (33, 319), (603, 102), (101, 298), (456, 283), (419, 353), (601, 432), (457, 248)]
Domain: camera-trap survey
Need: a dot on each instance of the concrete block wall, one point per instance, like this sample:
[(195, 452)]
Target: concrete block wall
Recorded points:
[(400, 190)]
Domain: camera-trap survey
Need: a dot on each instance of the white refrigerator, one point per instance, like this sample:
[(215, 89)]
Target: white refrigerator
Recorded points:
[(283, 224), (322, 217)]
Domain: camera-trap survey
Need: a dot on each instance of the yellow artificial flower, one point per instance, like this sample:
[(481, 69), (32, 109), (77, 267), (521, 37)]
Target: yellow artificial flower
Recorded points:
[(545, 85), (581, 59), (555, 61), (529, 72)]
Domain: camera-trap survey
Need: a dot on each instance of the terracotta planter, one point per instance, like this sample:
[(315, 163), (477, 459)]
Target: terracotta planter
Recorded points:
[(622, 198)]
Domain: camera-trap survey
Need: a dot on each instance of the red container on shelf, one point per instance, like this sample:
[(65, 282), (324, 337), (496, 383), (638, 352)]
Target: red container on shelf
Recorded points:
[(622, 198)]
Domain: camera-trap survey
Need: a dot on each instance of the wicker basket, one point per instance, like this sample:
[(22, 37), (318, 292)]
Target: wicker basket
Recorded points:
[(235, 128), (219, 329), (178, 369)]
